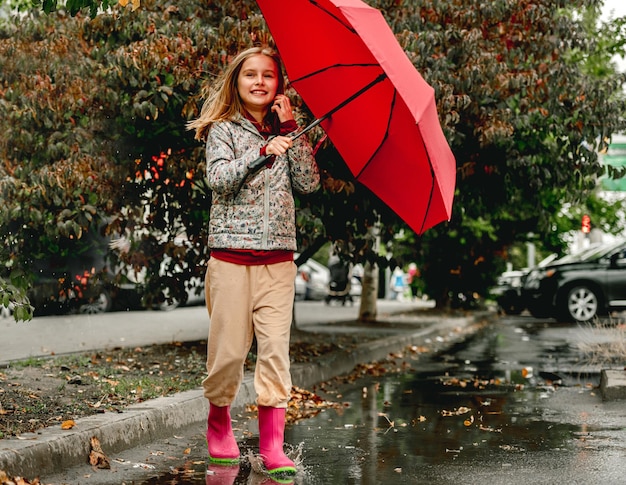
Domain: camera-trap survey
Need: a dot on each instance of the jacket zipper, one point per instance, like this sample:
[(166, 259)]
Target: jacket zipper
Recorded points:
[(266, 190), (266, 208)]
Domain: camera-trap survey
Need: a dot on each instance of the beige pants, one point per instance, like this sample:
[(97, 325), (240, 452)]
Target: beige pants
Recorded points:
[(244, 301)]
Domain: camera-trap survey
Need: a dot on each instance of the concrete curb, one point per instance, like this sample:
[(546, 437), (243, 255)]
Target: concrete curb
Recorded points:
[(53, 450), (613, 384), (342, 363)]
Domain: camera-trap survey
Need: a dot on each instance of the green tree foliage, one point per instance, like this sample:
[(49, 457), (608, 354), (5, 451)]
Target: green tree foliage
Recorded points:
[(606, 41), (524, 121), (96, 108), (75, 6), (12, 298), (56, 176)]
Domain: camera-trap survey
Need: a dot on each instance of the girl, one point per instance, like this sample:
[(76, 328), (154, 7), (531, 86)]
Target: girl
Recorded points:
[(252, 236)]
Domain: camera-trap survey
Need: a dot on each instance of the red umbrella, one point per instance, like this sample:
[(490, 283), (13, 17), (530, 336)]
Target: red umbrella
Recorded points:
[(346, 64)]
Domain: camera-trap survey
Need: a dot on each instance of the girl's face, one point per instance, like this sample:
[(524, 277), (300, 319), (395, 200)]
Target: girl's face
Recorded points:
[(257, 83)]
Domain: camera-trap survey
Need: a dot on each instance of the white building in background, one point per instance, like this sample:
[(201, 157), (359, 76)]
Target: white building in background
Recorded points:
[(611, 190), (615, 156)]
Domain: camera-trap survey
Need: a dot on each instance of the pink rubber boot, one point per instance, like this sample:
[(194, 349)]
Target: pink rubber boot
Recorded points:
[(271, 437), (220, 439)]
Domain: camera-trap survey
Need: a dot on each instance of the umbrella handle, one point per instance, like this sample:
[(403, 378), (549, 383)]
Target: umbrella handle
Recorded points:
[(258, 163), (262, 160)]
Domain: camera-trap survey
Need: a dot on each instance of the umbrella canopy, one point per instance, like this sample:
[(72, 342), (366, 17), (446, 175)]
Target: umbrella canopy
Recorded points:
[(389, 135)]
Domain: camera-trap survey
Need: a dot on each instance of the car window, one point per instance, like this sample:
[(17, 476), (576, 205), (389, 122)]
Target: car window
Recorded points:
[(604, 252), (618, 258), (595, 252), (579, 256)]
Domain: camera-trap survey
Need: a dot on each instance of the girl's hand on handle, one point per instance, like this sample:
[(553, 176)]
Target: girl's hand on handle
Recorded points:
[(278, 145), (282, 108)]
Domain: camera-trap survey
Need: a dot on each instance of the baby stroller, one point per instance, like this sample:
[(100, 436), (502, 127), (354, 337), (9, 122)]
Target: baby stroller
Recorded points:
[(339, 285)]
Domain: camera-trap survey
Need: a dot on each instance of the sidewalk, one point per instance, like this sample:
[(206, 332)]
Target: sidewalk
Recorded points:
[(58, 335), (53, 450)]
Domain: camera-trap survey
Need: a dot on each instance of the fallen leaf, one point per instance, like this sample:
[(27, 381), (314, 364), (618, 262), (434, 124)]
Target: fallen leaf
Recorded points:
[(97, 457), (489, 428), (187, 451), (69, 424), (304, 404), (456, 412), (7, 480)]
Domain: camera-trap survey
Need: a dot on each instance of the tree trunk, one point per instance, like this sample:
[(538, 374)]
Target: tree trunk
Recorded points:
[(369, 293)]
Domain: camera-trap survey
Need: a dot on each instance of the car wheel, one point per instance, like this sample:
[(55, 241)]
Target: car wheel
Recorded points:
[(101, 304), (581, 305), (510, 305)]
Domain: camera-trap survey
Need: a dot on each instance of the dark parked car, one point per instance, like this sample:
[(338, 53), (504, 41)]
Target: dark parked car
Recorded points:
[(579, 287), (507, 292), (508, 289)]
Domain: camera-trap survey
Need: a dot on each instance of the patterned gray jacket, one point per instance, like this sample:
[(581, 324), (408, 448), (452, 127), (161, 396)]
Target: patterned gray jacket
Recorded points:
[(254, 211)]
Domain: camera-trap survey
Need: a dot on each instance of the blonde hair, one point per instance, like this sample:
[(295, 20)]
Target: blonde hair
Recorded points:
[(223, 102)]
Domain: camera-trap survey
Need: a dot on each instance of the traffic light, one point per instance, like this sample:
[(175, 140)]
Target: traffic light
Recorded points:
[(586, 224)]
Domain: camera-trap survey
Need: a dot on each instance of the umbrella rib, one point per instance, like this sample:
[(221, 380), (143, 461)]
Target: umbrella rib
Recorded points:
[(328, 68), (325, 10), (393, 103), (432, 191)]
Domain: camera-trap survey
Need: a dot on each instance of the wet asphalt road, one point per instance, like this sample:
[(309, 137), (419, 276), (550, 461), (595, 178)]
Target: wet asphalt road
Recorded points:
[(516, 404)]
